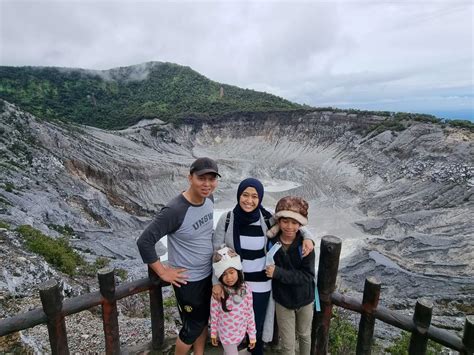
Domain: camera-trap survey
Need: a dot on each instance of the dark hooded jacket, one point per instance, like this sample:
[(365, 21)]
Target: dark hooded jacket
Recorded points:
[(293, 278)]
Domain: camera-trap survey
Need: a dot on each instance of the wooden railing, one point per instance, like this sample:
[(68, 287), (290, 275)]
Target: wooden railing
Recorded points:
[(55, 310), (369, 309)]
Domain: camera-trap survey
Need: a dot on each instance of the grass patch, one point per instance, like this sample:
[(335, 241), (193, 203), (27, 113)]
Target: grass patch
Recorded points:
[(64, 230), (91, 269), (122, 273), (56, 252), (4, 202), (401, 344), (342, 334), (390, 124), (136, 306), (169, 302), (101, 262), (4, 224), (9, 187), (13, 164)]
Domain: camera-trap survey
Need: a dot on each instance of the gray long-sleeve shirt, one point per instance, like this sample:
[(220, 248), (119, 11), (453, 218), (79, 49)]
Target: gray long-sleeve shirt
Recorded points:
[(189, 228)]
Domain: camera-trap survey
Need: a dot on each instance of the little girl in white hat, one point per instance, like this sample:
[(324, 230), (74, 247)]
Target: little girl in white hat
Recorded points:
[(233, 316)]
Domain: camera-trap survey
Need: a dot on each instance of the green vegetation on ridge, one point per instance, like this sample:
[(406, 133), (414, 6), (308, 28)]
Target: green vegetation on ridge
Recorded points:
[(59, 253), (56, 252), (113, 99), (120, 97)]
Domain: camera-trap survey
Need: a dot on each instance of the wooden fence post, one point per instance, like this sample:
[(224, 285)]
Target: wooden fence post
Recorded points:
[(422, 321), (468, 336), (156, 311), (109, 310), (370, 301), (52, 301), (327, 273)]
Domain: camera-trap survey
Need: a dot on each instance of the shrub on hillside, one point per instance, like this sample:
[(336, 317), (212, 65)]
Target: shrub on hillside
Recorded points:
[(394, 125), (9, 187), (56, 252), (92, 269), (65, 230), (461, 124)]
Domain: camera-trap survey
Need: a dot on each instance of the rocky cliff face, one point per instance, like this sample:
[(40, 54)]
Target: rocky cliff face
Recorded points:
[(401, 201)]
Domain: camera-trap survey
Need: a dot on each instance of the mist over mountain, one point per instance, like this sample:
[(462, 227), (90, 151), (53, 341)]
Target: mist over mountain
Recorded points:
[(397, 189)]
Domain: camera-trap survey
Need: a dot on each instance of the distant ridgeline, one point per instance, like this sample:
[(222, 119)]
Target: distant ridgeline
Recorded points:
[(120, 97)]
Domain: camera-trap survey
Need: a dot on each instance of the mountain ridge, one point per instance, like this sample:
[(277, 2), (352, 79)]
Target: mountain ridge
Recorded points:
[(120, 97)]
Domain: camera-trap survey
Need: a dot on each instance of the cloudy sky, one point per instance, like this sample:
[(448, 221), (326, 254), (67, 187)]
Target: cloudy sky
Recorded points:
[(396, 55)]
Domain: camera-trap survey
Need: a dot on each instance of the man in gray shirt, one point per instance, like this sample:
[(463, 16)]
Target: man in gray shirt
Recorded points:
[(188, 221)]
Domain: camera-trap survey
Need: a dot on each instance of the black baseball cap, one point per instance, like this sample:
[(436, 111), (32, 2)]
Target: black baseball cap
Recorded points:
[(203, 166)]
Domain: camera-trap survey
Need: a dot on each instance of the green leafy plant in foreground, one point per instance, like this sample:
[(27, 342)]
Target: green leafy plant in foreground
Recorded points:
[(342, 334)]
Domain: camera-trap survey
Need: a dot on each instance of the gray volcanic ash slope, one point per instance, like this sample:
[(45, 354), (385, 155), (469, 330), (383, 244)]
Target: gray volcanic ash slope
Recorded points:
[(401, 201)]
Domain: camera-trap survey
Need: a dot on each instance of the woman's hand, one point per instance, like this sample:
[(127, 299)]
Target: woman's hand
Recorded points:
[(252, 343), (217, 292), (308, 247), (214, 341), (269, 270)]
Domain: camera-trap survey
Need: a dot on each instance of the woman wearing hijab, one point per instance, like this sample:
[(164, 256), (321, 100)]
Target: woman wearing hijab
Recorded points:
[(244, 230)]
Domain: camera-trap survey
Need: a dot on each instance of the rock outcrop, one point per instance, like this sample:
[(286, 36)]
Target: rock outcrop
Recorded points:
[(401, 201)]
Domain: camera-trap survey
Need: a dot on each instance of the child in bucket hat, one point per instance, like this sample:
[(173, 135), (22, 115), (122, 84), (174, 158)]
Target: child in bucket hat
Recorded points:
[(233, 316), (292, 275), (291, 207)]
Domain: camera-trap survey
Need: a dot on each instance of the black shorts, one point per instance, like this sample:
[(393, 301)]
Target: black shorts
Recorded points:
[(194, 305)]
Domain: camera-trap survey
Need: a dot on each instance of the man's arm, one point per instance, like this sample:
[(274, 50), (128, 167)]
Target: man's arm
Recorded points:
[(165, 222)]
